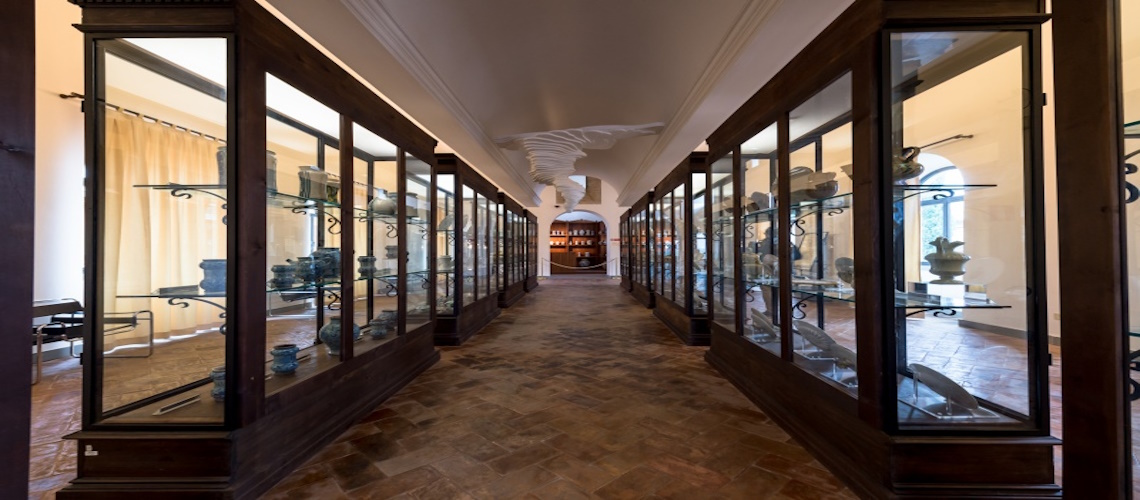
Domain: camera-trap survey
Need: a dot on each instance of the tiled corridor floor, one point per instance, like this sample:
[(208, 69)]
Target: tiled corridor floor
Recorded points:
[(575, 392)]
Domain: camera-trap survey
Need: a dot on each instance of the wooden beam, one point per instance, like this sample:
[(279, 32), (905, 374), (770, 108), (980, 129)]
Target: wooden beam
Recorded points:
[(17, 187), (1092, 258)]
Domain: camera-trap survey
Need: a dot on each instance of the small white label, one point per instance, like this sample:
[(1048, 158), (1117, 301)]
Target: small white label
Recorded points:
[(89, 451)]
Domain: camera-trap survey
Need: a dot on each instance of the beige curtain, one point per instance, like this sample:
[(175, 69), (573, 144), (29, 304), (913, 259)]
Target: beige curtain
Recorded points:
[(151, 238)]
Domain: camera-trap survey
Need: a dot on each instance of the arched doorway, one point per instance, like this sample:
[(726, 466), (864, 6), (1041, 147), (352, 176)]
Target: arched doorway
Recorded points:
[(578, 244)]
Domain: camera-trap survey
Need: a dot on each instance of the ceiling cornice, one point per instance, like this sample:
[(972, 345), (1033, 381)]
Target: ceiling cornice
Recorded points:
[(380, 23), (754, 15)]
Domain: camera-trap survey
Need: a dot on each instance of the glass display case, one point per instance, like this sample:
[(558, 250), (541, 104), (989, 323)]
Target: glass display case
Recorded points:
[(531, 250), (278, 261), (625, 242), (681, 245), (511, 285), (466, 218), (918, 340), (641, 251)]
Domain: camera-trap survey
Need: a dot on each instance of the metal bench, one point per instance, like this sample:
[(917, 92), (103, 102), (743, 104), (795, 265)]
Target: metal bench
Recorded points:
[(64, 322)]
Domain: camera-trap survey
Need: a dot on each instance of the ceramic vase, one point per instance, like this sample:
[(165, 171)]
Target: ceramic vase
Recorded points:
[(284, 359), (332, 189), (905, 165), (218, 375), (221, 157), (945, 262), (283, 276), (367, 267), (214, 275), (271, 173), (391, 251), (382, 204), (330, 335), (584, 263)]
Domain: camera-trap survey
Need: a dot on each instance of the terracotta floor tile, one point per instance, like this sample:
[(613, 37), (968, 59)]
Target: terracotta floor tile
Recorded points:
[(522, 458), (636, 483), (442, 489), (415, 459), (515, 484), (688, 471), (577, 448), (353, 471), (558, 490), (323, 489), (478, 447), (466, 473), (404, 482), (586, 476), (754, 483)]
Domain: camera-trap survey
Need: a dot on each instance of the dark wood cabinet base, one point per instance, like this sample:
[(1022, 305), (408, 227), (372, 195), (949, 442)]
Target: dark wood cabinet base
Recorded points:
[(644, 295), (531, 283), (455, 330), (692, 330), (511, 294), (871, 462), (126, 464)]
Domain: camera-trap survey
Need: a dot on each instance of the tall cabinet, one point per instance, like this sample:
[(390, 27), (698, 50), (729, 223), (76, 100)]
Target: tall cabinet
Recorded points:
[(641, 251), (531, 246), (681, 258), (626, 265), (272, 214), (465, 223), (877, 244), (513, 238)]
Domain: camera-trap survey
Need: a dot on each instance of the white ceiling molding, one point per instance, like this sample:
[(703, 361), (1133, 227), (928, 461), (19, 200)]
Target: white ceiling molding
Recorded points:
[(552, 154), (380, 23), (753, 17)]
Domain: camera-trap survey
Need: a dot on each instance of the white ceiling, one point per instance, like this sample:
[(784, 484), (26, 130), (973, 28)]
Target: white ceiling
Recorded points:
[(471, 71)]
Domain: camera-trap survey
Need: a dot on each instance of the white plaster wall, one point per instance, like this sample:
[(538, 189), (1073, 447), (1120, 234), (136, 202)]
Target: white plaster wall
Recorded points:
[(59, 153), (608, 210)]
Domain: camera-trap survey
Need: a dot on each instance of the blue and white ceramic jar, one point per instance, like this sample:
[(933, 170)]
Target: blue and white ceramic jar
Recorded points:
[(330, 335), (218, 375), (284, 359), (214, 275)]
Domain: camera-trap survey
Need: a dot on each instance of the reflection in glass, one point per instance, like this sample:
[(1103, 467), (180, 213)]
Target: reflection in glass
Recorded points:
[(470, 238), (1130, 81), (760, 258), (446, 227), (823, 264), (162, 188), (968, 364), (375, 189), (723, 244), (417, 182), (700, 244)]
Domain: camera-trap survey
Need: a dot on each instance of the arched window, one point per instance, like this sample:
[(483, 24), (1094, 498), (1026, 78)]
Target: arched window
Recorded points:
[(941, 215)]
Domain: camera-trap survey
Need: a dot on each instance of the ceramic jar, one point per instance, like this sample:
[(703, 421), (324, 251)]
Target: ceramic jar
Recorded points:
[(305, 269), (391, 251), (214, 275), (284, 359), (382, 204), (327, 260), (382, 324), (367, 267), (218, 375), (283, 276), (332, 189), (313, 181), (330, 335), (271, 172), (905, 165)]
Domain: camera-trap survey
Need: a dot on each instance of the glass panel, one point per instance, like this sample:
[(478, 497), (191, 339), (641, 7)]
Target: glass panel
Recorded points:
[(723, 243), (963, 355), (1130, 69), (375, 191), (760, 258), (417, 184), (500, 241), (302, 232), (161, 185), (470, 237), (823, 300), (446, 245), (679, 243), (483, 245), (700, 245)]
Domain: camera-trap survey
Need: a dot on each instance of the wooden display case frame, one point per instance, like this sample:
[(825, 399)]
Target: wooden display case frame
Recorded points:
[(643, 253), (531, 251), (510, 292), (860, 439), (691, 327), (262, 437), (455, 329), (625, 264)]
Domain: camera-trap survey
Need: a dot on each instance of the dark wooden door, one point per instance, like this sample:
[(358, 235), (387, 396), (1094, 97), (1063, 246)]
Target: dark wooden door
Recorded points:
[(17, 188)]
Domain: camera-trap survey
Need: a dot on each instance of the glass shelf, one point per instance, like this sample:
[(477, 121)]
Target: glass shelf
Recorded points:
[(902, 300)]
